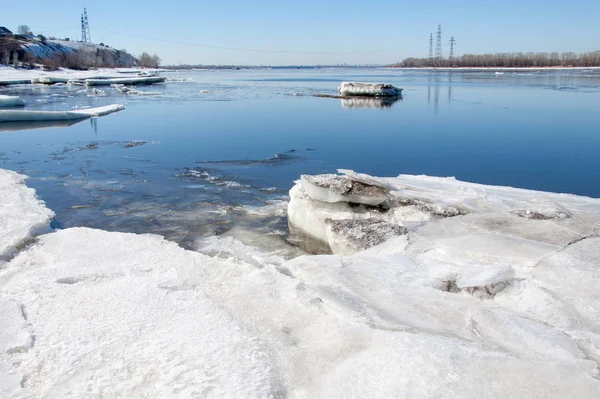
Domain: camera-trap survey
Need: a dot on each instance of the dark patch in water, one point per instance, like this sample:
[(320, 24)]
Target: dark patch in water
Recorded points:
[(278, 159)]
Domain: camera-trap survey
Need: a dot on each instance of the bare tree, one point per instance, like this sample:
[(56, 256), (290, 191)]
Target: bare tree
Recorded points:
[(148, 61), (23, 30)]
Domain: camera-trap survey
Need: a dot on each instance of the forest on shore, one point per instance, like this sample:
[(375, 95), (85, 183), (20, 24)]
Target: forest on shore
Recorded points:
[(507, 60)]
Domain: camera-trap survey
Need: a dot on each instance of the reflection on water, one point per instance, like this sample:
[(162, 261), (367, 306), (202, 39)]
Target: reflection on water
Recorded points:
[(94, 124), (434, 80), (362, 102)]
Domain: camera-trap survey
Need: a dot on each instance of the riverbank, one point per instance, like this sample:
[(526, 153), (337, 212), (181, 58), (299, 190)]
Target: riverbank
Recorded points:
[(480, 300)]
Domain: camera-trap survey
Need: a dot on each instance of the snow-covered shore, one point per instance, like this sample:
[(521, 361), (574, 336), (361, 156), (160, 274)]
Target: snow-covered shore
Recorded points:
[(474, 297), (10, 75)]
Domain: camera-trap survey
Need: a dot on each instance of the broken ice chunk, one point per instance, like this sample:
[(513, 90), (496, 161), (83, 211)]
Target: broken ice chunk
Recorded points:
[(333, 188), (348, 236), (11, 101), (368, 89)]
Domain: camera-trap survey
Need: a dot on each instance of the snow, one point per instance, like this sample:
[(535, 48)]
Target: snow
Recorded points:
[(10, 75), (52, 49), (11, 101), (22, 214), (474, 304), (38, 116), (368, 89)]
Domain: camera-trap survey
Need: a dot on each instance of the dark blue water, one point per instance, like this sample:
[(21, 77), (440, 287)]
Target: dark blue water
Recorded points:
[(149, 168)]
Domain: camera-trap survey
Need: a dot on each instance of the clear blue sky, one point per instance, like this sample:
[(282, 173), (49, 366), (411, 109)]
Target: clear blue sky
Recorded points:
[(314, 32)]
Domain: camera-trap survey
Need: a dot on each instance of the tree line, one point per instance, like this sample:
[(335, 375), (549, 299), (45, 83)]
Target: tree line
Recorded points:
[(508, 60)]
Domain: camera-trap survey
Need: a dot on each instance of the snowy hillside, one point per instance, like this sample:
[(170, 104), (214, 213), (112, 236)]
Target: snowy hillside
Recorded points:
[(87, 53)]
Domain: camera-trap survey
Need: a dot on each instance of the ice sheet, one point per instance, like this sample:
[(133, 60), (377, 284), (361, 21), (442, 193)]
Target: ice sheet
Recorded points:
[(36, 116), (22, 214), (460, 307)]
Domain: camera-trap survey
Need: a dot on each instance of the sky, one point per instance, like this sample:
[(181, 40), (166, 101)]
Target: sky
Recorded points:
[(311, 32)]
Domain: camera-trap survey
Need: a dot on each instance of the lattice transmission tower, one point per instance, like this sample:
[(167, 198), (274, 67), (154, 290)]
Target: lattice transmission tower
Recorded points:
[(85, 28), (438, 44), (452, 41), (430, 47)]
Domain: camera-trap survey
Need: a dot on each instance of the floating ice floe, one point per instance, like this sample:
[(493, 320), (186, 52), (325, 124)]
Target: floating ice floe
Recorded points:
[(140, 80), (131, 91), (369, 89), (9, 82), (11, 101), (50, 80), (474, 310), (35, 116)]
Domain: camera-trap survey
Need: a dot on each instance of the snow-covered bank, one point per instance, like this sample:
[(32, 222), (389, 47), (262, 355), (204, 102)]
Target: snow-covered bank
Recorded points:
[(85, 53), (441, 313), (22, 215), (41, 116), (10, 75)]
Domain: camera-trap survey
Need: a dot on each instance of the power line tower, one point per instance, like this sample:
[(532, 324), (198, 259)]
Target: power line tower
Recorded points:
[(438, 44), (430, 47), (452, 41), (83, 32), (85, 28)]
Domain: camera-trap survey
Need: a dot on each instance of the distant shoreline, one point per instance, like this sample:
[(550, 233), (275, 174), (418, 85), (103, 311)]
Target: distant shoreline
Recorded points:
[(493, 68)]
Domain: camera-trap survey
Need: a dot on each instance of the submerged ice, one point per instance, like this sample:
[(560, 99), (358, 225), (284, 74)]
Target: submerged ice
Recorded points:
[(436, 288)]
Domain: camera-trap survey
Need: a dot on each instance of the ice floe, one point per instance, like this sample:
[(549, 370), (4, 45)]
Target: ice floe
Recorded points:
[(502, 215), (460, 296), (11, 101), (368, 89), (140, 80), (35, 116)]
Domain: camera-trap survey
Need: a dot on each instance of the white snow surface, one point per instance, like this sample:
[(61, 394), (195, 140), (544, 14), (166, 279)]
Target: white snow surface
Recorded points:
[(11, 101), (10, 75), (484, 304), (22, 214), (368, 89), (30, 116)]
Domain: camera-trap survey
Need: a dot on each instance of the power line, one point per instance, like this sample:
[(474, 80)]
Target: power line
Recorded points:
[(248, 49)]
